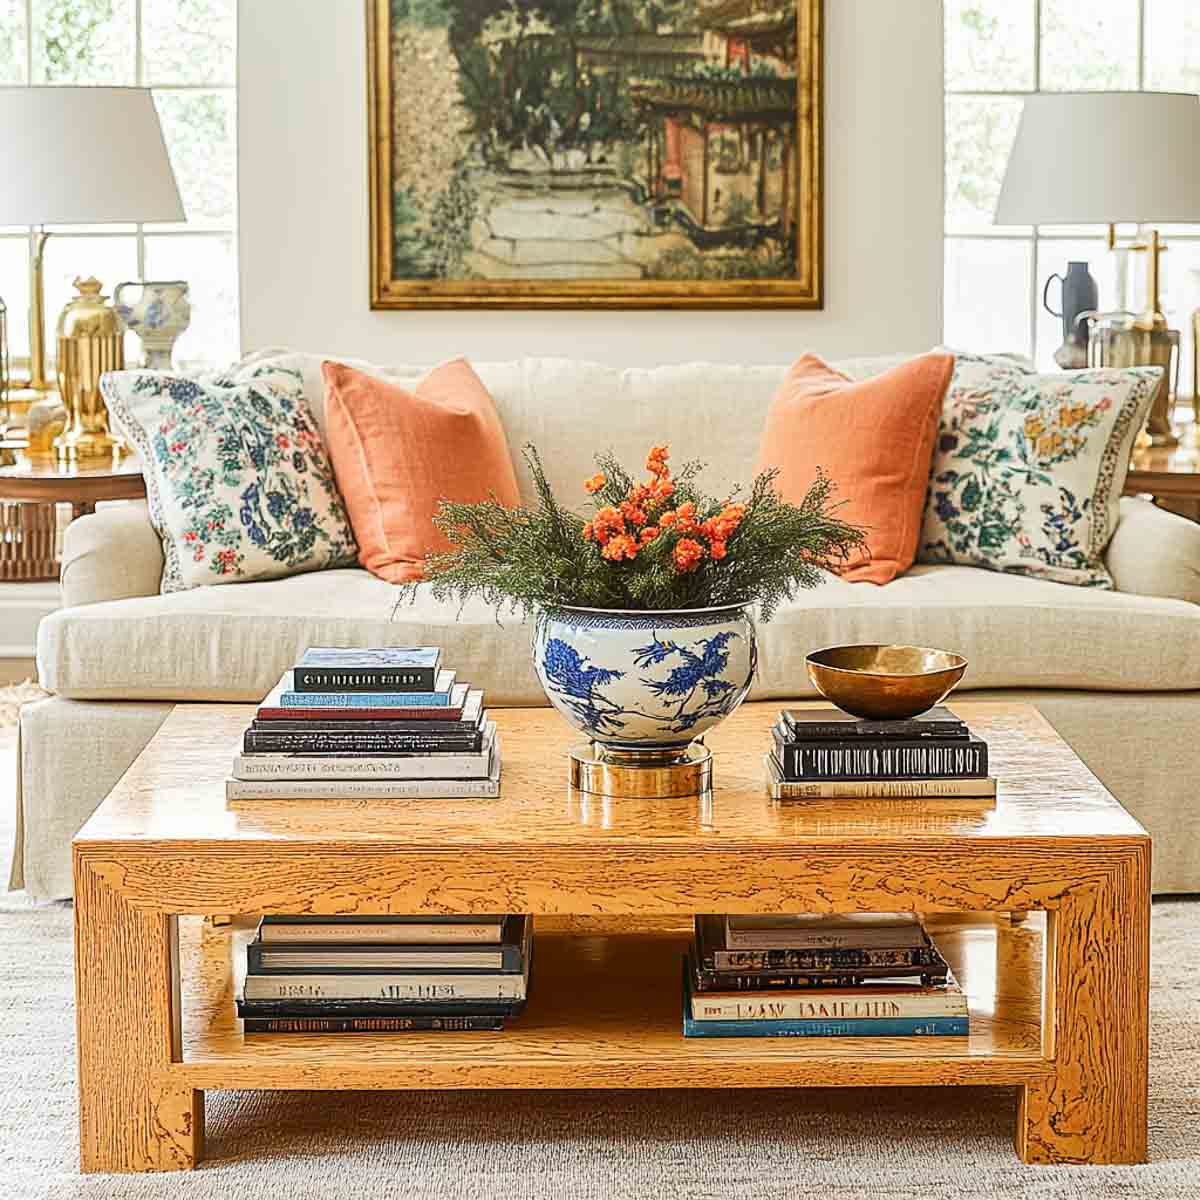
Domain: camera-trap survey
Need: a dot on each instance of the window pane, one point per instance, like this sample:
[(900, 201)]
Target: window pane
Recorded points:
[(109, 259), (200, 128), (987, 295), (1180, 297), (14, 287), (1053, 256), (188, 41), (1173, 45), (979, 137), (12, 41), (1089, 47), (989, 45), (83, 41), (209, 264)]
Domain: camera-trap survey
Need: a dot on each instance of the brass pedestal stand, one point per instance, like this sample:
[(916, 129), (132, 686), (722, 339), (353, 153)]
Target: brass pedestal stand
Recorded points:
[(640, 775)]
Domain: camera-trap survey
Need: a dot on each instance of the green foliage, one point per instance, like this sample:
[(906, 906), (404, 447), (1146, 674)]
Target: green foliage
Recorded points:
[(684, 262), (428, 13), (75, 36), (531, 559), (412, 255)]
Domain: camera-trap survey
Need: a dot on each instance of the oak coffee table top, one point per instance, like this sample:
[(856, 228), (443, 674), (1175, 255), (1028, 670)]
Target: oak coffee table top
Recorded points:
[(1058, 1002)]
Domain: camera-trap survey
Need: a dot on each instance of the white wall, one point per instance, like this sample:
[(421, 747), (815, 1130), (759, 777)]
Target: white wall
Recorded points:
[(304, 215)]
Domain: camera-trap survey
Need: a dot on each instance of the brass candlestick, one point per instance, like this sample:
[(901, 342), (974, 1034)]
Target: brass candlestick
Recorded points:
[(91, 341)]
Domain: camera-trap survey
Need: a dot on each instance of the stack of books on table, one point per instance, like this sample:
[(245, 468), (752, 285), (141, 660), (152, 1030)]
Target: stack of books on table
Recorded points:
[(382, 724), (385, 974), (858, 975), (824, 753)]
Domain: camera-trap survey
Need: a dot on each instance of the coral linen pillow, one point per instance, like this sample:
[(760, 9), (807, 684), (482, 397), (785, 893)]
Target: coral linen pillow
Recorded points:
[(398, 453), (874, 439)]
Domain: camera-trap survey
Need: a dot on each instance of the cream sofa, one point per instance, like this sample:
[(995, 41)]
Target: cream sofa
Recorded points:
[(1117, 672)]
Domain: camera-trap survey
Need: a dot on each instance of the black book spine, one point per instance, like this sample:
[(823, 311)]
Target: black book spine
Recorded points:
[(929, 758), (367, 744), (836, 731), (364, 679), (766, 981), (806, 961), (372, 1024)]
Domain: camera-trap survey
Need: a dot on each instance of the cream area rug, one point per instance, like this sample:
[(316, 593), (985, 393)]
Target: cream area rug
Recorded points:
[(903, 1144)]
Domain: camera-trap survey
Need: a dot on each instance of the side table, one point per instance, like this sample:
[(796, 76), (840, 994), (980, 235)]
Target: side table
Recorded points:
[(1171, 474), (31, 489)]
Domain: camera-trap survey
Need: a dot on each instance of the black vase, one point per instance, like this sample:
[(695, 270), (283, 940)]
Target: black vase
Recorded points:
[(1080, 294)]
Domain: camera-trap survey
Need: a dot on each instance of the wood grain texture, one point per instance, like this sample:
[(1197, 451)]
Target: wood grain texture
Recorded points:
[(1094, 1106), (134, 1115), (605, 1004), (605, 1011)]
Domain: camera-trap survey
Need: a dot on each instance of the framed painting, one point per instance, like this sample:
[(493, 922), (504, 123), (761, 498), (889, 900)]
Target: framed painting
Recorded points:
[(595, 153)]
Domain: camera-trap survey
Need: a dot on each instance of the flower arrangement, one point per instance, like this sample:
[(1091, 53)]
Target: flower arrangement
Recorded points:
[(651, 545)]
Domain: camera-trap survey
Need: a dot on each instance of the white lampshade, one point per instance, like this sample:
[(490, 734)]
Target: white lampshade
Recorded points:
[(1102, 158), (83, 156)]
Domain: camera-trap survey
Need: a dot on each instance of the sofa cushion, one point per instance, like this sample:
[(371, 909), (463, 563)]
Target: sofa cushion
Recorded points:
[(233, 643)]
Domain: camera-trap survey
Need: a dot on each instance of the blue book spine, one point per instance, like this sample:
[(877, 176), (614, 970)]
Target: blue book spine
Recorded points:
[(859, 1027), (364, 699)]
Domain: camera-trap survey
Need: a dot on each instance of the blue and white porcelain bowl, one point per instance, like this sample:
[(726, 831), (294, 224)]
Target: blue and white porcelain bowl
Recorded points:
[(645, 681)]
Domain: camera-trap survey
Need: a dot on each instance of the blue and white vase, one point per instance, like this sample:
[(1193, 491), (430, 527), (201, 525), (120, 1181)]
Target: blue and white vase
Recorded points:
[(645, 681), (161, 313)]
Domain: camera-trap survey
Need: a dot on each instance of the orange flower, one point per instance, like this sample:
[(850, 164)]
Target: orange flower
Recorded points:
[(589, 532), (607, 523), (633, 514), (619, 547), (668, 519), (688, 555), (593, 485), (639, 494), (686, 518), (656, 461), (661, 490), (717, 550), (649, 534)]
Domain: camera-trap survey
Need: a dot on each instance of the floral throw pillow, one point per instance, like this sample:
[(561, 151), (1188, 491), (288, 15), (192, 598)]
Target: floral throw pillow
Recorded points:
[(238, 482), (1028, 469)]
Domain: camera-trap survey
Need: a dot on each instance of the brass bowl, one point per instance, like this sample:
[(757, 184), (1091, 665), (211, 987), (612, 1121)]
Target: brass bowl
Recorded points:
[(885, 683)]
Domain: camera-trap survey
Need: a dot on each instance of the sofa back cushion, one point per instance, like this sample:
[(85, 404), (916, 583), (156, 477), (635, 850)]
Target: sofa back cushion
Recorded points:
[(873, 438), (398, 453), (570, 409)]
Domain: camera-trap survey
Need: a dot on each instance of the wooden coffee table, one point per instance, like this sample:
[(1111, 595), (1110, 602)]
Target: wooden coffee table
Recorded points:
[(1058, 1002)]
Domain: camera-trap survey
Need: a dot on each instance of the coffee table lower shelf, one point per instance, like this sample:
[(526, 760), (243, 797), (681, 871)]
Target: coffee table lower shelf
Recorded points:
[(605, 1012)]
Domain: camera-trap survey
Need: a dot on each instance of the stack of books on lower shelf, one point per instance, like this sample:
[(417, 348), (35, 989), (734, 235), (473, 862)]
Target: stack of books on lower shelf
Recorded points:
[(824, 753), (385, 974), (855, 975), (373, 723)]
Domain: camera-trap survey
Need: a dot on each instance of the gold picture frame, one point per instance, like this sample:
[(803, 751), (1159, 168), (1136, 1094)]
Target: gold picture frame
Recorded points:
[(775, 161)]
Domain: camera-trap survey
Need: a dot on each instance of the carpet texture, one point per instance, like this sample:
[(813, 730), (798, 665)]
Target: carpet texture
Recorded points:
[(905, 1144)]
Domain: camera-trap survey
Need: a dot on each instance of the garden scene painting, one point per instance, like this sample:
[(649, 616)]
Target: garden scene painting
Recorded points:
[(595, 151)]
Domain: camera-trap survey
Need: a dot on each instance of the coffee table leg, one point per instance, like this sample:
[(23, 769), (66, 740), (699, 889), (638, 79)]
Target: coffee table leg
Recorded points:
[(132, 1115), (1092, 1108)]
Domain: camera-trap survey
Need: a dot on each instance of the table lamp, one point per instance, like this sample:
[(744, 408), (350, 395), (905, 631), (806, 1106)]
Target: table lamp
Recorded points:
[(79, 156), (1103, 158)]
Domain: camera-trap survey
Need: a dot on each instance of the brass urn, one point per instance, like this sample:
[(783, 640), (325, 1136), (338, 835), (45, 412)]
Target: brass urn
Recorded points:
[(91, 340)]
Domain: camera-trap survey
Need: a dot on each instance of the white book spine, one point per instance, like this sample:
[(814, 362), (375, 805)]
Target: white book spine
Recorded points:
[(851, 1005), (420, 988), (361, 789)]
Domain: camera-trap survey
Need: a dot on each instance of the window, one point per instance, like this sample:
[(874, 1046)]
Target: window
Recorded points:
[(997, 51), (185, 51)]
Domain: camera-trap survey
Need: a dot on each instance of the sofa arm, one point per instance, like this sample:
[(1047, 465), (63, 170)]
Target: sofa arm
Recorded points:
[(113, 554), (1155, 552)]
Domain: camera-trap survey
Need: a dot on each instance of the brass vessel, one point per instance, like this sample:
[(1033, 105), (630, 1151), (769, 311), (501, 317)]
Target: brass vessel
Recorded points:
[(637, 775), (885, 683), (91, 341)]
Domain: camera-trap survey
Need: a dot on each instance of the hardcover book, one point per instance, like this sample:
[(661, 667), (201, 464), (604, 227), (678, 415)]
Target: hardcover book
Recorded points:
[(317, 742), (364, 766), (417, 1024), (382, 930), (273, 707), (704, 980), (358, 723), (437, 697), (928, 758), (820, 931), (374, 1009), (369, 789), (780, 788), (715, 956), (272, 957), (878, 1026), (826, 723), (381, 669)]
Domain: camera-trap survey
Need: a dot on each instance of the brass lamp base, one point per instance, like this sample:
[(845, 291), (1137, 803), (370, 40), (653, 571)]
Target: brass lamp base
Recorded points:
[(641, 775), (87, 446)]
